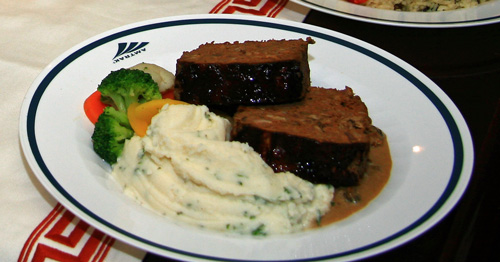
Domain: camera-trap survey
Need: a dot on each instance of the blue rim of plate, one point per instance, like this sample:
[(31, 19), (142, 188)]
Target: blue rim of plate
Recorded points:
[(471, 22), (457, 142)]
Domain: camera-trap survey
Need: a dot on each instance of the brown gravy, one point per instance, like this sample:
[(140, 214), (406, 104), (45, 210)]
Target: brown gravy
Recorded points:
[(349, 200)]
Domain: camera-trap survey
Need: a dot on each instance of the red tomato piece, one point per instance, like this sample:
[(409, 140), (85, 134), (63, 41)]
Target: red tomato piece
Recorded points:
[(168, 94), (358, 1)]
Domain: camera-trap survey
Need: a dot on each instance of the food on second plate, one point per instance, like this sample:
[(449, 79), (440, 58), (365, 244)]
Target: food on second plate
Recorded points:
[(325, 138), (419, 5), (186, 169), (251, 72)]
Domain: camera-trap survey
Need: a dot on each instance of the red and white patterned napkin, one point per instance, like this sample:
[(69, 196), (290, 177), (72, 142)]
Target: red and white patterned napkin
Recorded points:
[(263, 8), (63, 237), (33, 33)]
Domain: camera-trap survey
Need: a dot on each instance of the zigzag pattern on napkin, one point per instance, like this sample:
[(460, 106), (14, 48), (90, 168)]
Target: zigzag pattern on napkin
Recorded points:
[(269, 8), (63, 237)]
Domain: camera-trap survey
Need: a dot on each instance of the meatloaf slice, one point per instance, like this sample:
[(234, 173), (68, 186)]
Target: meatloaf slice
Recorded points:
[(247, 73), (324, 138)]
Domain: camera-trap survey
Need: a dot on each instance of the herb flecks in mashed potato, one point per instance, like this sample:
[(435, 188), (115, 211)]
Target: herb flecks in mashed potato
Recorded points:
[(186, 169)]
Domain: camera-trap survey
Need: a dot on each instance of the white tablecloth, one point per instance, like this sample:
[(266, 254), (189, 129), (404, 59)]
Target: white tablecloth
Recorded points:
[(32, 34)]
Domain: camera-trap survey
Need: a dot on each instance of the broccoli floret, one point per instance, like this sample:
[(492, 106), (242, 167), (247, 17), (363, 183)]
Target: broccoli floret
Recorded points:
[(126, 86), (120, 89), (111, 131)]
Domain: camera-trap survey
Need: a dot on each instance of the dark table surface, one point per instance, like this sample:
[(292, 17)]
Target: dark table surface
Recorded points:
[(465, 63)]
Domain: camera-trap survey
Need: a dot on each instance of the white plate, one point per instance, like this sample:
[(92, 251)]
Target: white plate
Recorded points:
[(483, 14), (410, 108)]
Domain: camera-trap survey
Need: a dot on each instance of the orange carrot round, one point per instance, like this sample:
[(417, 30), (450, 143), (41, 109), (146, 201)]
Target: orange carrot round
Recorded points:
[(93, 106)]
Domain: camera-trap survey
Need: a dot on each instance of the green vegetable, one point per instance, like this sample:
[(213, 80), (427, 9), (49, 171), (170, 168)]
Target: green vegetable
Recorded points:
[(123, 87), (259, 231), (120, 89), (111, 131)]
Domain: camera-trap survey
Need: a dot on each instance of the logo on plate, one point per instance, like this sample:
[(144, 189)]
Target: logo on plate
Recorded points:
[(127, 50)]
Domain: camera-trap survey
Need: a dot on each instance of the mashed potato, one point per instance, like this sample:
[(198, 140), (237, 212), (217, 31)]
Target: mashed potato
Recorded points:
[(186, 169)]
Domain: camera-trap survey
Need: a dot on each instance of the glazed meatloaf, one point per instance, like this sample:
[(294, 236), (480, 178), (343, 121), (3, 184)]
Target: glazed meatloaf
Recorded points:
[(324, 138), (247, 73)]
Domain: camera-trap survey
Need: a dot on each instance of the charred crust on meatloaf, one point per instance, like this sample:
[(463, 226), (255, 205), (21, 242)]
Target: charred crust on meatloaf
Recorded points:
[(246, 73), (325, 138)]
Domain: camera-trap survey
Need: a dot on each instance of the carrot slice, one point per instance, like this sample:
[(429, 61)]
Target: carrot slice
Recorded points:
[(140, 115), (93, 106), (168, 94)]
